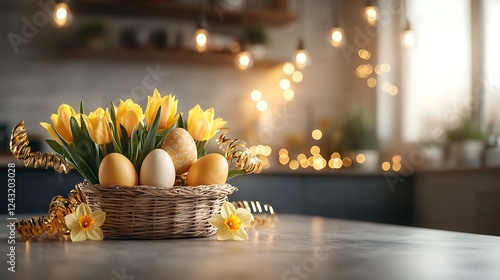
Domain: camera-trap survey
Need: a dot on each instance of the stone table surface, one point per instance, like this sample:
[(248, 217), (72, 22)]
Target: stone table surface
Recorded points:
[(298, 248)]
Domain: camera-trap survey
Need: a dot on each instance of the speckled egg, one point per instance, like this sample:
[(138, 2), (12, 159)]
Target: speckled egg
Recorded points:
[(182, 149), (116, 169)]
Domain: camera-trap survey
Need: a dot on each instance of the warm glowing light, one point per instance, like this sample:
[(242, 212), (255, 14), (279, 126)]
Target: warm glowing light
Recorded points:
[(360, 158), (319, 163), (371, 14), (386, 86), (335, 155), (304, 163), (288, 68), (337, 37), (297, 76), (393, 90), (385, 68), (256, 95), (364, 54), (301, 157), (371, 82), (62, 16), (201, 40), (284, 159), (347, 162), (244, 60), (335, 163), (317, 134), (408, 39), (262, 105), (285, 84), (315, 150), (283, 151), (396, 166), (386, 166), (364, 70), (293, 164), (378, 70), (302, 59), (396, 158), (288, 94)]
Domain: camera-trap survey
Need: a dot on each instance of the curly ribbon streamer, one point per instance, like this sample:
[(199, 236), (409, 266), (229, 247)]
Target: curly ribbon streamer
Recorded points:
[(19, 146), (53, 223), (236, 153), (264, 215)]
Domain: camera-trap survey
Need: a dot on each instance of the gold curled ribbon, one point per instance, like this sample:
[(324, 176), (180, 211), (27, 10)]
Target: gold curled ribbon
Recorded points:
[(264, 215), (19, 146), (53, 223), (237, 153)]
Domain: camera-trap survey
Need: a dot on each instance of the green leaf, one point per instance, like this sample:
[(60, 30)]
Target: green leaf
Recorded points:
[(234, 173), (76, 160), (149, 142), (180, 122), (56, 147), (201, 148), (84, 146), (125, 142)]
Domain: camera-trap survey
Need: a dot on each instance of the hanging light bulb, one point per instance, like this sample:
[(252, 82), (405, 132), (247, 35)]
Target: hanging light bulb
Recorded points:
[(62, 16), (337, 37), (201, 36), (371, 14), (407, 38), (301, 56), (244, 60)]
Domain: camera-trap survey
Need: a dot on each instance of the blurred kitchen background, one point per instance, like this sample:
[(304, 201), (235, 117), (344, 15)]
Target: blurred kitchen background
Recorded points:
[(384, 111)]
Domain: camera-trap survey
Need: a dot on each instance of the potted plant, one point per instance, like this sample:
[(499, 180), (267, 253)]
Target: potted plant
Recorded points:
[(465, 143), (256, 37), (359, 135)]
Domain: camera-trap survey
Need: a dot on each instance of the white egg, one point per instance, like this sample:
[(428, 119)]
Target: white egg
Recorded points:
[(157, 169)]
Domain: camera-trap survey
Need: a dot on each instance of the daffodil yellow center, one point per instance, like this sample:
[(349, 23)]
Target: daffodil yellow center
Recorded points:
[(86, 222), (233, 222)]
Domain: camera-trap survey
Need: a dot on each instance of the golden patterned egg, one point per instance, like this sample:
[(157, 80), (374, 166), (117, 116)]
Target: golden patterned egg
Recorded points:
[(116, 169), (182, 149), (157, 169), (207, 170)]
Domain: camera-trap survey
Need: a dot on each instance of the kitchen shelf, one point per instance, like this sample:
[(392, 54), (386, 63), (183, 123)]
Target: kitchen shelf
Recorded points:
[(173, 55), (174, 10)]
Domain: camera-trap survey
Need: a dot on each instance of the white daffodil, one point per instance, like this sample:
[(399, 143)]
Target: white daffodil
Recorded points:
[(84, 224), (231, 222)]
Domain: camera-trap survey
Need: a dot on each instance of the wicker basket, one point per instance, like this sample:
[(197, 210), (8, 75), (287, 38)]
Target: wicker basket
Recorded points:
[(145, 212)]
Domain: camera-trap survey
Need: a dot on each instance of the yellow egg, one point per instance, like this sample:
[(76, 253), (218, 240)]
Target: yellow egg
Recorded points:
[(116, 169), (157, 169), (181, 147), (207, 170)]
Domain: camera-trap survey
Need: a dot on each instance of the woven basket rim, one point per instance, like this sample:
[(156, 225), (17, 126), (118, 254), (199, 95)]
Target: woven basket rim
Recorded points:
[(194, 191)]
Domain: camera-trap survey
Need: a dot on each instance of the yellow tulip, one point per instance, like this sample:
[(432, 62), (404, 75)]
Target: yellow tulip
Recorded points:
[(168, 105), (61, 123), (129, 114), (97, 123), (201, 124)]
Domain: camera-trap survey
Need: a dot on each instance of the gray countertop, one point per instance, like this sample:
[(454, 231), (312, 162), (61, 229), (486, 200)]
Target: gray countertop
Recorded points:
[(299, 247)]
